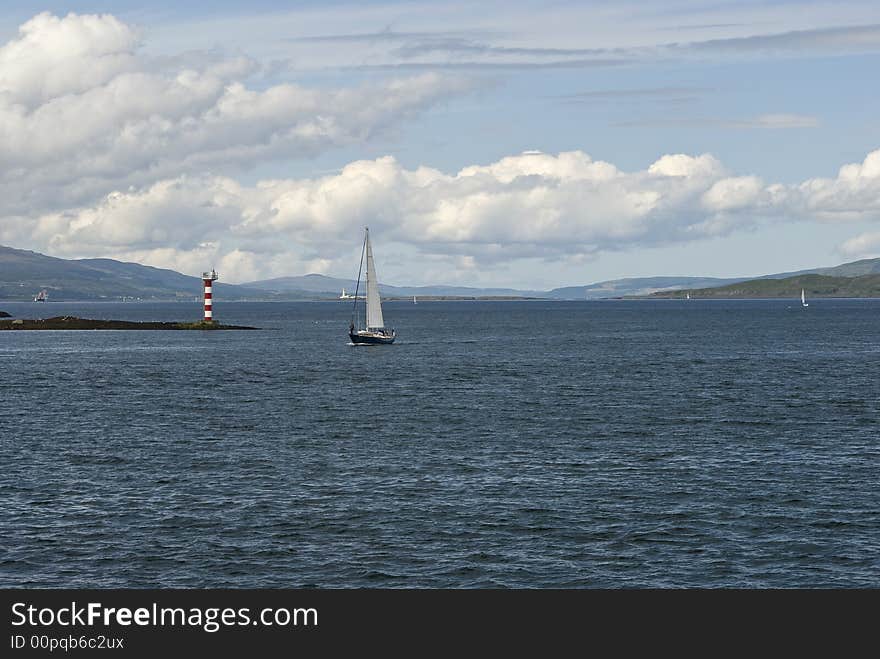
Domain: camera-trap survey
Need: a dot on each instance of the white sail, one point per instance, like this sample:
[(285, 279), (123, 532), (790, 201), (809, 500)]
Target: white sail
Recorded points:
[(803, 298), (374, 304)]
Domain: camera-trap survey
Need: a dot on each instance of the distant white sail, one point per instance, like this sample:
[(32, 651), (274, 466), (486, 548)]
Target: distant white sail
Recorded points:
[(804, 298), (374, 303)]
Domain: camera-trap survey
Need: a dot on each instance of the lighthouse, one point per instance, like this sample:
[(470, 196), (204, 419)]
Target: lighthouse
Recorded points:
[(208, 279)]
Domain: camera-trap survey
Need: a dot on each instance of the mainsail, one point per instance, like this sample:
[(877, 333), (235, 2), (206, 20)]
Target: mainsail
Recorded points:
[(374, 304)]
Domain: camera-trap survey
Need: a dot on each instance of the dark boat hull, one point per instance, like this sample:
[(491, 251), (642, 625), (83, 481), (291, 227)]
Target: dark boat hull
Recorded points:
[(371, 339)]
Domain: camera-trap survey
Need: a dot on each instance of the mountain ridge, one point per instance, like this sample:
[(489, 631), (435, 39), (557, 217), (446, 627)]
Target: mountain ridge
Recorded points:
[(23, 273)]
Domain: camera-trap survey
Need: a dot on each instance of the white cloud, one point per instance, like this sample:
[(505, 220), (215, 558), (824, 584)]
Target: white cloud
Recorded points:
[(533, 205), (683, 165), (108, 151), (179, 212), (732, 193), (854, 195), (53, 57), (864, 245), (83, 112)]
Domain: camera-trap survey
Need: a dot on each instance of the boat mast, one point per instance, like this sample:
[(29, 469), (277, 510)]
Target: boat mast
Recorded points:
[(358, 285)]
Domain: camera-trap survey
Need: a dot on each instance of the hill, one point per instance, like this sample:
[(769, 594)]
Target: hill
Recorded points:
[(837, 281), (23, 273), (853, 269), (814, 285)]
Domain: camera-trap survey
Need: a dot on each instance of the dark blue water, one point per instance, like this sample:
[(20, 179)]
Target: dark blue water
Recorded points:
[(531, 444)]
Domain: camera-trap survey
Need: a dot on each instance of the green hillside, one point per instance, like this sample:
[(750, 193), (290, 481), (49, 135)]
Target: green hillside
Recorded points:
[(790, 287)]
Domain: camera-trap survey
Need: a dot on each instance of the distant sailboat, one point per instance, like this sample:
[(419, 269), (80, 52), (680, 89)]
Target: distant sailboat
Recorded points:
[(42, 296), (804, 298), (414, 300), (374, 331), (687, 296)]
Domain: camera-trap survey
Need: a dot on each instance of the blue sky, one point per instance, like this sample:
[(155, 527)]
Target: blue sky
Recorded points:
[(259, 136)]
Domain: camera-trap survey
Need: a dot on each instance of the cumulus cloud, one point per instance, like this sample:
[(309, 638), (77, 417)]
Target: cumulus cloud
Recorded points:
[(532, 205), (732, 193), (852, 196), (108, 151), (866, 244), (83, 112), (53, 57)]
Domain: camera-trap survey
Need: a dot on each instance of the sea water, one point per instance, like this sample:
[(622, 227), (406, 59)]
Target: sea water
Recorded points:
[(495, 444)]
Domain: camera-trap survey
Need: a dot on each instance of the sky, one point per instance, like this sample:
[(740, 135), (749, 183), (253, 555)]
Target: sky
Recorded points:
[(521, 144)]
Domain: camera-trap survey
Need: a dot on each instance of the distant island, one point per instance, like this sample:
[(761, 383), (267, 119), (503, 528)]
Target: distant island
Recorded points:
[(865, 286), (73, 323)]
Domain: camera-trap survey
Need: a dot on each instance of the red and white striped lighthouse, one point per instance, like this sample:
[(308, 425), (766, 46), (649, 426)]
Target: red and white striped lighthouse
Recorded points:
[(208, 279)]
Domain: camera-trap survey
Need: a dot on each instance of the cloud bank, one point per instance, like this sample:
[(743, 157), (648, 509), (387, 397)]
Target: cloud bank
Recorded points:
[(83, 111), (532, 205), (107, 151)]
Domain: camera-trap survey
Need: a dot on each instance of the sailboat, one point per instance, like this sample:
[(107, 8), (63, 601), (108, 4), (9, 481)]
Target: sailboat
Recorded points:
[(414, 300), (374, 331), (804, 299), (688, 296), (42, 296)]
